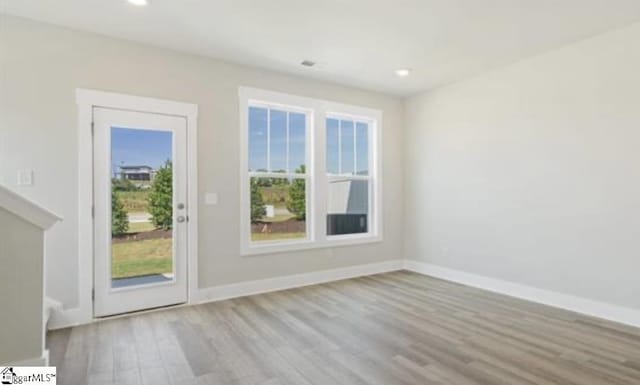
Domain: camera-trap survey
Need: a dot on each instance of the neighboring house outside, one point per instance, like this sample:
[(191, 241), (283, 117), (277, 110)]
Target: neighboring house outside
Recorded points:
[(348, 207), (348, 197), (137, 173)]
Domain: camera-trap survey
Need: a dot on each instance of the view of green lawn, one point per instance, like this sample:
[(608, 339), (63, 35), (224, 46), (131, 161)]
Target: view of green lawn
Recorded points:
[(281, 224), (133, 257), (281, 214), (135, 201), (275, 236), (139, 227), (276, 194), (144, 257)]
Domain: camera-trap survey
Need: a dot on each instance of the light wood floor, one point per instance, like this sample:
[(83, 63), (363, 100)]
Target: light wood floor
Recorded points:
[(396, 328)]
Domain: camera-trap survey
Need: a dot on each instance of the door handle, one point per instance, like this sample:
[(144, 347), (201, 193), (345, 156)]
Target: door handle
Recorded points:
[(181, 219)]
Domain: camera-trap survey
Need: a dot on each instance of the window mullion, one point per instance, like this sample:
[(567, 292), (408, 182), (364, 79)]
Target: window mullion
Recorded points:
[(269, 139), (355, 165), (319, 174), (286, 141), (339, 146)]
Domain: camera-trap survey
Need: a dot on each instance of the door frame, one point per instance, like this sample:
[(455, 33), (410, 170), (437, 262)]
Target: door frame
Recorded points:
[(86, 100)]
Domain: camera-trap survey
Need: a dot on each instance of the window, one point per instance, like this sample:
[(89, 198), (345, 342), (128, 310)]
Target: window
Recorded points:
[(309, 173), (349, 182), (277, 173)]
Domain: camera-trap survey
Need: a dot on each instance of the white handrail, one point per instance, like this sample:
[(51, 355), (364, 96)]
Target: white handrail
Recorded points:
[(26, 209)]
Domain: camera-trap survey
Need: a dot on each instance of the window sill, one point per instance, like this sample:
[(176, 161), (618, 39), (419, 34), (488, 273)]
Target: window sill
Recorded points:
[(293, 246)]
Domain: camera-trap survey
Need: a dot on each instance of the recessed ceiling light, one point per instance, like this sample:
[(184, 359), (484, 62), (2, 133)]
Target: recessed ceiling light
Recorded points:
[(402, 72), (139, 3)]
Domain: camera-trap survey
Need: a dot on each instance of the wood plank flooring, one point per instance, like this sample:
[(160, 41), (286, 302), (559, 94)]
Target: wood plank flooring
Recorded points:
[(396, 328)]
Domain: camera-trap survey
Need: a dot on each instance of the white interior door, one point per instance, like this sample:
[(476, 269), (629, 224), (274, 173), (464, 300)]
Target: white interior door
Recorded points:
[(140, 196)]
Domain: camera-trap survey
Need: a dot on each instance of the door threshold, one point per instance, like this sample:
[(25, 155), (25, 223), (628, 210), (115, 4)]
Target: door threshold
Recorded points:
[(142, 311)]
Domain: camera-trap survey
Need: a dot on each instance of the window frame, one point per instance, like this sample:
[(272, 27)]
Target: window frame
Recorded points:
[(372, 172), (317, 178), (288, 174)]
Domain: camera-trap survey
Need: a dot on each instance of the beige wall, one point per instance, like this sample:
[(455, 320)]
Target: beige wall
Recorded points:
[(21, 261), (531, 173), (42, 65)]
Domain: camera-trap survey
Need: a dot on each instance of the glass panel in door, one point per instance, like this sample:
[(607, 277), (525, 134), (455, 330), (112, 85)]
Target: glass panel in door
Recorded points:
[(141, 207)]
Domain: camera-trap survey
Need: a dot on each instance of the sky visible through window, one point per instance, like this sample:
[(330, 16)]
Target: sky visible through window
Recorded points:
[(343, 138), (135, 147), (273, 123)]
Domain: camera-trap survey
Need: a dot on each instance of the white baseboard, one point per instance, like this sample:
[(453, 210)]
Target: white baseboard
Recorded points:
[(242, 289), (76, 316), (624, 315), (42, 360), (621, 314), (51, 306), (68, 317)]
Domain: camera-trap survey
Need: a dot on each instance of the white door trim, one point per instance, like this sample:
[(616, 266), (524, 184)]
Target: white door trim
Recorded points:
[(86, 101)]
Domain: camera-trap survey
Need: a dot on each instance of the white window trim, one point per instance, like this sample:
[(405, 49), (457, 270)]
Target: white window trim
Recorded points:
[(317, 178), (307, 176), (372, 176)]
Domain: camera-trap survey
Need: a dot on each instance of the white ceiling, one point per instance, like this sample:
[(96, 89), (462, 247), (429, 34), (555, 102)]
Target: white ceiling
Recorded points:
[(357, 42)]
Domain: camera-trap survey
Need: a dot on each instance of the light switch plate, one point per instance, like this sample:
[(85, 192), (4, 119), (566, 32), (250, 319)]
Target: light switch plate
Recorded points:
[(25, 177), (211, 199)]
